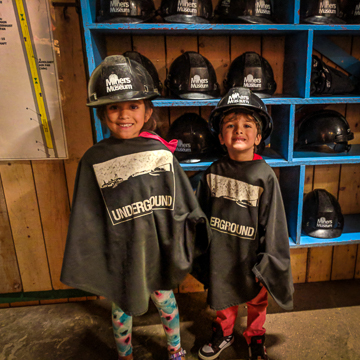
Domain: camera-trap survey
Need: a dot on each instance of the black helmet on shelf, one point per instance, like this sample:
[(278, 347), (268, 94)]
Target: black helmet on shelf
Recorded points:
[(245, 11), (126, 11), (252, 71), (352, 12), (191, 76), (186, 11), (322, 217), (148, 65), (195, 141), (118, 79), (328, 80), (324, 131), (323, 12), (244, 99)]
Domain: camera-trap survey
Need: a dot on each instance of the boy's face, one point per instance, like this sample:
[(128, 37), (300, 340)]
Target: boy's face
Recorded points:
[(126, 119), (239, 135)]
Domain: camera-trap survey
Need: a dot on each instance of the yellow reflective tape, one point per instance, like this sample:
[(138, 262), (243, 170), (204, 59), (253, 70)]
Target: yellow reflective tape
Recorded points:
[(34, 72)]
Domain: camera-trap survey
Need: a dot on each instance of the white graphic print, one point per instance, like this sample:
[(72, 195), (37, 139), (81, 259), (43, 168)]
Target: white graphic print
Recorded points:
[(243, 194), (326, 7), (262, 8), (117, 6), (123, 204), (251, 82), (198, 83), (114, 83), (323, 223), (357, 10), (185, 6), (183, 147), (236, 98)]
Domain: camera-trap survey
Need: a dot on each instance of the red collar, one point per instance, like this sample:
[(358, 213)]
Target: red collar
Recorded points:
[(171, 145)]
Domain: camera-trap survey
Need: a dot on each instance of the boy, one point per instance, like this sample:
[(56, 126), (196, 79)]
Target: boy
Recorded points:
[(249, 253)]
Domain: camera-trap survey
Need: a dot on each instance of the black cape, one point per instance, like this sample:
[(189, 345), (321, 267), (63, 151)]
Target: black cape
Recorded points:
[(243, 203), (135, 225)]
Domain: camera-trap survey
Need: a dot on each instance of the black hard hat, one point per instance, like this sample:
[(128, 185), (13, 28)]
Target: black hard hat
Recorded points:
[(352, 12), (245, 11), (327, 80), (118, 79), (126, 11), (191, 76), (195, 141), (248, 102), (322, 217), (324, 131), (252, 71), (148, 65), (186, 11), (322, 12)]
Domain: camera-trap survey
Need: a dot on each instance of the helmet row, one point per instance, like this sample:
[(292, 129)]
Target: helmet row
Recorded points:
[(192, 76), (226, 11), (187, 11)]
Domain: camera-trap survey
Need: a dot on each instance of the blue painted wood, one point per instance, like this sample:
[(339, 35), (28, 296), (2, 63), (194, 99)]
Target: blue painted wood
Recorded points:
[(295, 64), (280, 135), (309, 63), (224, 28), (289, 185), (318, 158), (297, 12), (291, 132), (87, 9), (278, 100), (300, 203), (337, 55)]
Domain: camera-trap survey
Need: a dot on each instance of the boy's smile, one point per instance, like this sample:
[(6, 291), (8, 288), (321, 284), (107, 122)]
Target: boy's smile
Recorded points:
[(239, 135), (126, 119)]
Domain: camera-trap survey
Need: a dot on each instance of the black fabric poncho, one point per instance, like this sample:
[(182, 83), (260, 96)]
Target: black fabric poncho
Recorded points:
[(135, 225), (243, 203)]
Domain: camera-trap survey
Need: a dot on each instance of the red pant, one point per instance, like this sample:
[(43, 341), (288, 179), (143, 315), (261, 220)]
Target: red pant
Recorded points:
[(256, 309)]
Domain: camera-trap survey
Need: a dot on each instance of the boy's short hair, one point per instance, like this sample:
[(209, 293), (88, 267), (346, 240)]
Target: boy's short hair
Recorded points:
[(252, 117), (150, 125)]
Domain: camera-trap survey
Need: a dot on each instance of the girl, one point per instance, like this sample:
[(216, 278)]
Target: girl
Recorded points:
[(135, 223)]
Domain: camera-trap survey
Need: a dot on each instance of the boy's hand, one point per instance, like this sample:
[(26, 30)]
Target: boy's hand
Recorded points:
[(258, 281)]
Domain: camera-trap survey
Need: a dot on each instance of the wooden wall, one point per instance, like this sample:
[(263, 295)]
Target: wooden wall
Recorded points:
[(35, 196)]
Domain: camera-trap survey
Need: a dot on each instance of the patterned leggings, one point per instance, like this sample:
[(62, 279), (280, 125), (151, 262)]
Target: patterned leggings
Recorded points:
[(169, 314)]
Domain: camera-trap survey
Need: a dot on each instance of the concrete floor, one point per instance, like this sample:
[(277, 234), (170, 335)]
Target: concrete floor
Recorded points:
[(325, 324)]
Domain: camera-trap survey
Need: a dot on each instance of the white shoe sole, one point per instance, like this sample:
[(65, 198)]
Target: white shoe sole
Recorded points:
[(203, 357)]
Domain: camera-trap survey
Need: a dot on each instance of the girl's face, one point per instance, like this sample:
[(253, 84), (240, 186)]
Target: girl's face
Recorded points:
[(239, 135), (126, 119)]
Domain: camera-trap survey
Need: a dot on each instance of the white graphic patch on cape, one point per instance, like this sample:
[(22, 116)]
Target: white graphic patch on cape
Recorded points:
[(243, 194), (135, 185)]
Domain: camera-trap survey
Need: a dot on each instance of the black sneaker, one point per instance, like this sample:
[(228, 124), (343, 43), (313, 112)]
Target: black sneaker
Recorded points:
[(257, 349), (217, 344)]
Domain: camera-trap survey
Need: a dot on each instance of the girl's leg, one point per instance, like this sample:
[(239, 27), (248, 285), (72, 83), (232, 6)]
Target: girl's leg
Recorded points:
[(169, 314), (122, 326)]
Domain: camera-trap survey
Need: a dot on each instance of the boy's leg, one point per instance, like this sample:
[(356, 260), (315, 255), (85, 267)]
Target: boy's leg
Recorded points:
[(226, 319), (256, 309), (122, 327), (169, 314)]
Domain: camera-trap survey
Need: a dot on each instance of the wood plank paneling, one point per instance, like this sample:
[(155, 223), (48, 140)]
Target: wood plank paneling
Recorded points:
[(72, 79), (327, 177), (344, 260), (349, 190), (190, 284), (242, 44), (9, 272), (298, 264), (273, 50), (25, 223), (54, 208), (309, 178), (217, 50), (117, 45), (319, 264)]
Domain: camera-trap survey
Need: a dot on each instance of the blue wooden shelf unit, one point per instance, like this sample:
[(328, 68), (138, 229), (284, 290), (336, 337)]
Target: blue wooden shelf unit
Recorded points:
[(300, 40)]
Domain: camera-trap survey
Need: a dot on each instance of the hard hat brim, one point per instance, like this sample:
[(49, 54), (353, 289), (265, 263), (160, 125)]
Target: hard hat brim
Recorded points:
[(324, 233), (129, 96), (321, 20), (255, 20), (187, 19)]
